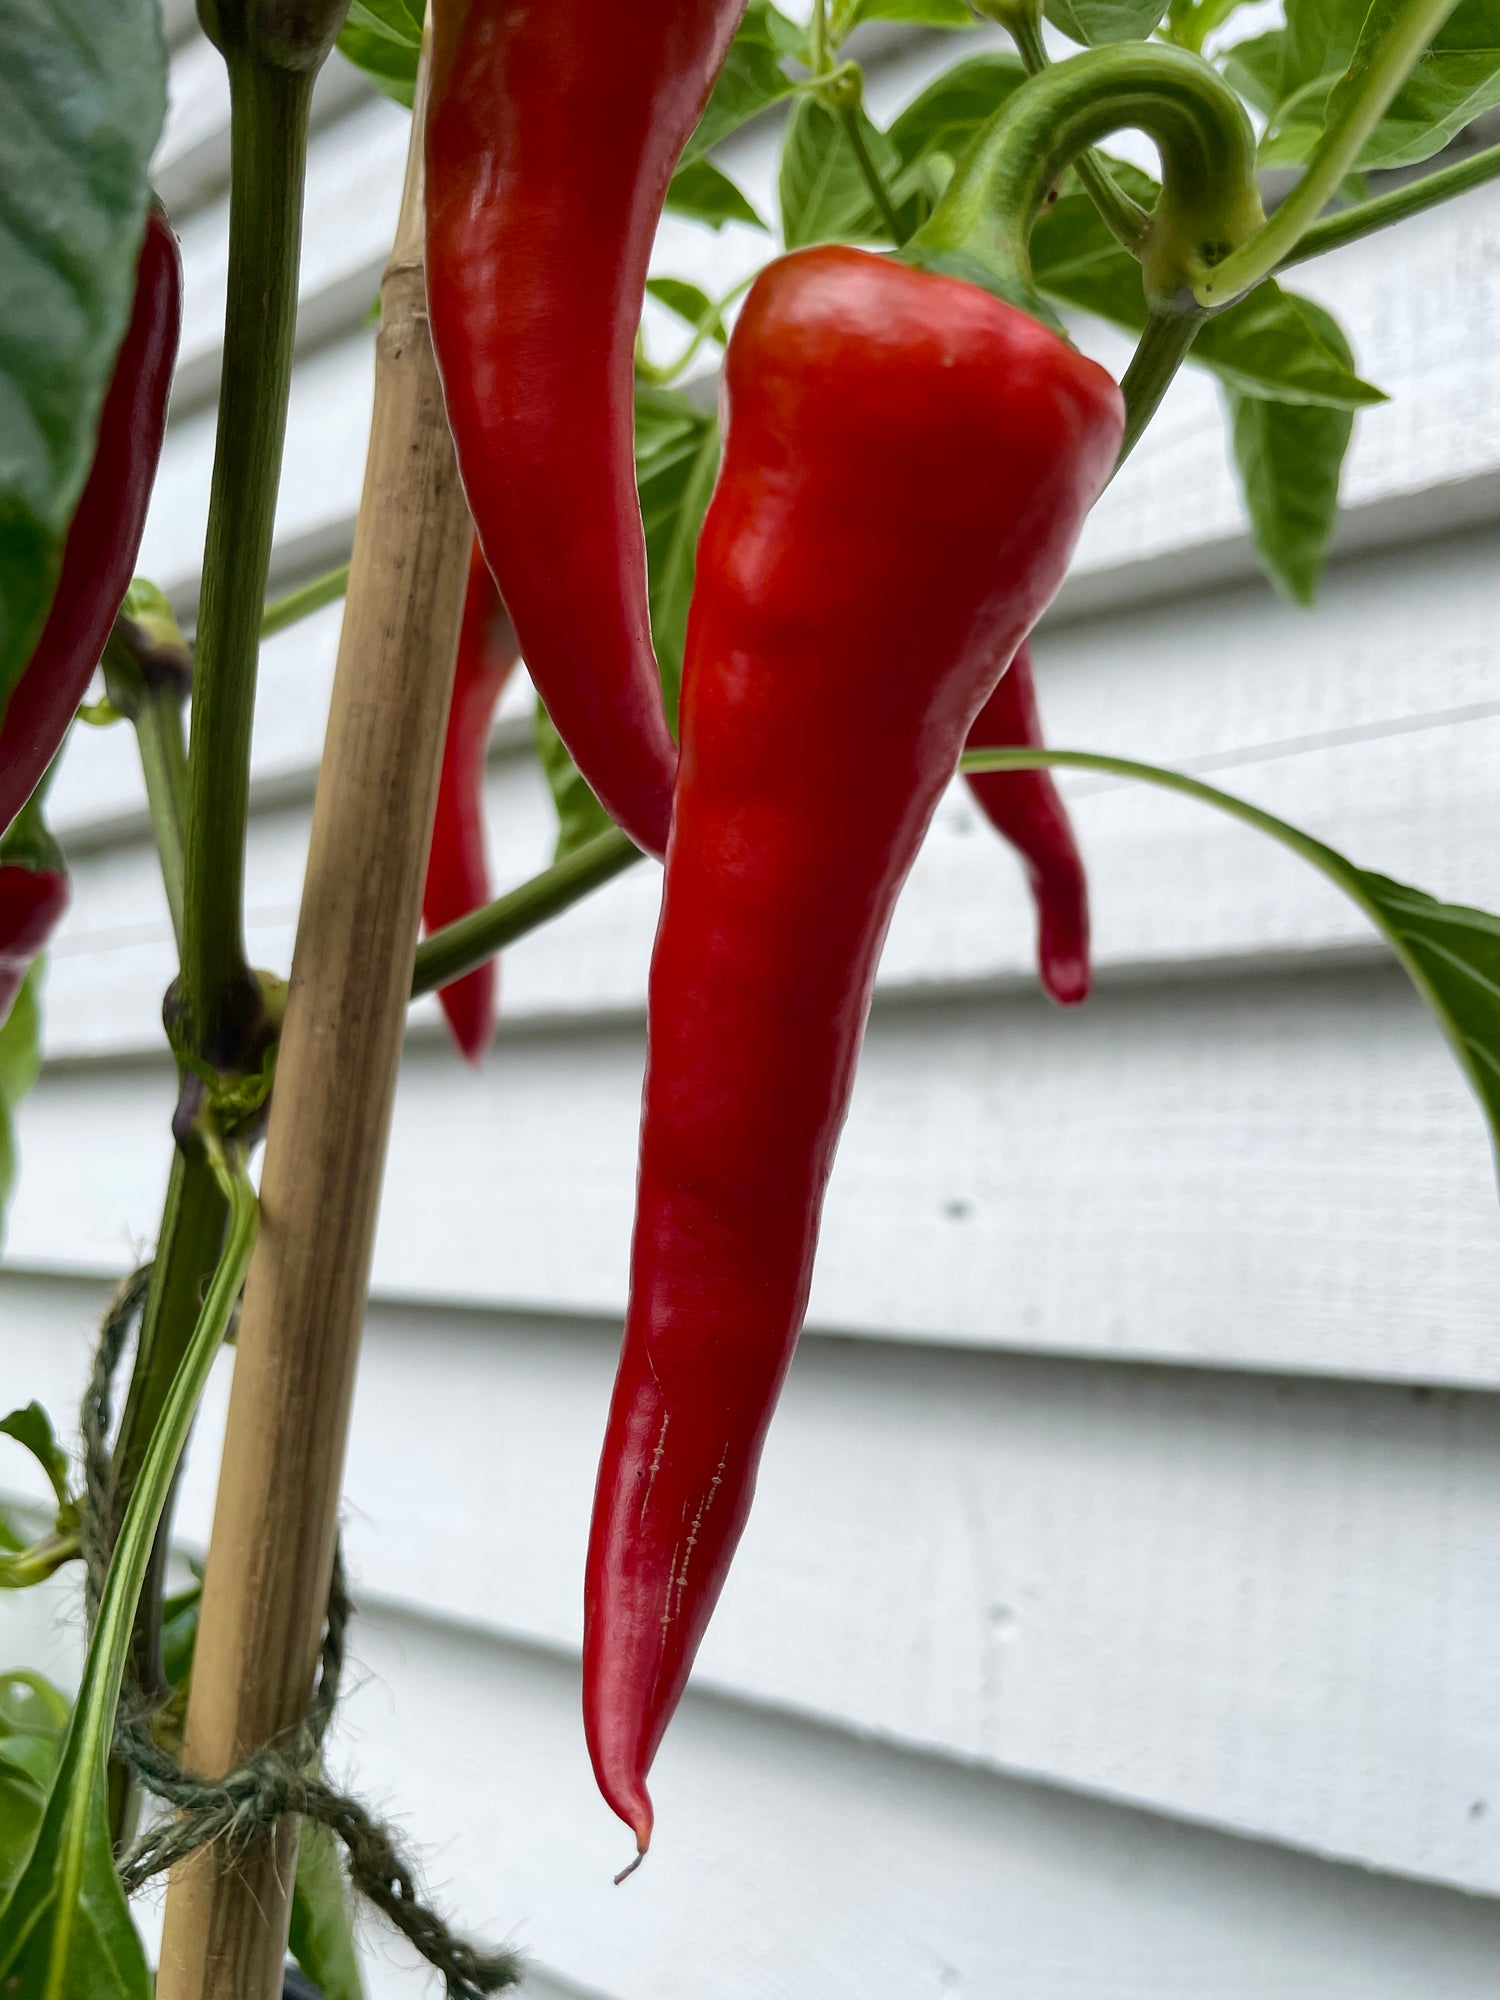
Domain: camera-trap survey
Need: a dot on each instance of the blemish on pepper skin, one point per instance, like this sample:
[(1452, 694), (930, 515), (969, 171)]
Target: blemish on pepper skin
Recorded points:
[(656, 1458)]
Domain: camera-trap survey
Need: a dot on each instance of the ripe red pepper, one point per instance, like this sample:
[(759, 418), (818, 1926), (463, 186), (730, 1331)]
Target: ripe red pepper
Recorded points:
[(105, 536), (908, 461), (552, 132), (34, 893), (1027, 808), (458, 878)]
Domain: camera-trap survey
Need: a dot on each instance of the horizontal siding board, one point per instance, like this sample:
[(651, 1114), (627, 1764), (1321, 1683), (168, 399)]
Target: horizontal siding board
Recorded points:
[(792, 1861), (1264, 1604), (1271, 1173)]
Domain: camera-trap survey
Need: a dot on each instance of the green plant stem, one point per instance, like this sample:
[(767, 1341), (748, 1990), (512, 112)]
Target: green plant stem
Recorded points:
[(1120, 213), (154, 710), (982, 226), (1358, 104), (458, 948), (304, 600), (1160, 352), (218, 996), (187, 1251), (848, 117), (1365, 217)]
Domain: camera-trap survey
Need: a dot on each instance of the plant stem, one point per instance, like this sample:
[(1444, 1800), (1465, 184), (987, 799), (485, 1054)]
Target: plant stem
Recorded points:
[(219, 998), (848, 117), (457, 948), (1120, 213), (154, 709), (304, 600), (1365, 217), (1357, 105), (1159, 354)]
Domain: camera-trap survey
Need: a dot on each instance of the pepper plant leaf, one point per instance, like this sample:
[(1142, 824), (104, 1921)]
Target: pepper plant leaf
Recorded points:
[(33, 1717), (946, 116), (1096, 21), (1450, 952), (384, 39), (823, 192), (322, 1937), (700, 190), (65, 1930), (752, 79), (1290, 460), (1456, 81), (32, 1427), (922, 13), (84, 95), (20, 1065)]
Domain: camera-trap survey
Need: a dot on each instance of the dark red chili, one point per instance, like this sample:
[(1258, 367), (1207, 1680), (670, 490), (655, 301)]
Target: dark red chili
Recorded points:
[(105, 536), (34, 894), (458, 877), (553, 130), (907, 464), (1027, 808)]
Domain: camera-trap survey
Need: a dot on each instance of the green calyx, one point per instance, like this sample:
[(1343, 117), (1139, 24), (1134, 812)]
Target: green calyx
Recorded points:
[(291, 35), (1209, 205)]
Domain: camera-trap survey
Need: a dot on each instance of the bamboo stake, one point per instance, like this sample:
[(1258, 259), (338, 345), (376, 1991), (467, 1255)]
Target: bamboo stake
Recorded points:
[(271, 1555)]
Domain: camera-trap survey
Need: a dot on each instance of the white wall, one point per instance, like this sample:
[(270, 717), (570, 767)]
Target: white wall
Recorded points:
[(1119, 1614)]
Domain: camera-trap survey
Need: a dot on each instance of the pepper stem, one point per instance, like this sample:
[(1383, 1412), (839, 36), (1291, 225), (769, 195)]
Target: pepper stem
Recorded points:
[(1209, 204)]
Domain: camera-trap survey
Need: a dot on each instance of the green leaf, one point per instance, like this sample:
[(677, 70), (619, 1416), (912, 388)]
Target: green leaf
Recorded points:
[(1254, 67), (32, 1427), (824, 195), (384, 39), (1290, 458), (752, 79), (65, 1931), (925, 13), (82, 97), (322, 1938), (690, 303), (1456, 81), (1450, 951), (947, 115), (580, 817), (701, 191), (1278, 345), (1094, 21), (179, 1632), (33, 1717)]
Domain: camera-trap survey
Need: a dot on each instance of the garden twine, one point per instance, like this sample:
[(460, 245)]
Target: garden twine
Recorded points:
[(286, 1777)]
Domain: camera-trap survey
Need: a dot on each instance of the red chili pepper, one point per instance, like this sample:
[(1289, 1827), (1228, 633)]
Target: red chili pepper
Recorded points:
[(34, 893), (1027, 808), (105, 536), (458, 878), (552, 131), (908, 461)]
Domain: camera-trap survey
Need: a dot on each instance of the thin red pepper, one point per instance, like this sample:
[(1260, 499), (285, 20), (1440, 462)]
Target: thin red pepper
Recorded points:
[(908, 461), (1027, 808), (105, 536), (34, 895), (458, 877), (553, 130)]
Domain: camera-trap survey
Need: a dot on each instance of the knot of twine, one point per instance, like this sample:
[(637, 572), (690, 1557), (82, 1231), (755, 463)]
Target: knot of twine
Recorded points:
[(285, 1777)]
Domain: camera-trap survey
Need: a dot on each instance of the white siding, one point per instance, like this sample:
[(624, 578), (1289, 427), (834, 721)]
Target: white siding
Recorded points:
[(1118, 1617)]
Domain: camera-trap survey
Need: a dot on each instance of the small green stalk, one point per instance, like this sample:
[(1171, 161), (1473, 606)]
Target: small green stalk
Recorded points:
[(1162, 349), (148, 677), (1377, 71), (1365, 217), (458, 948), (1209, 202), (304, 600), (1120, 213), (218, 999)]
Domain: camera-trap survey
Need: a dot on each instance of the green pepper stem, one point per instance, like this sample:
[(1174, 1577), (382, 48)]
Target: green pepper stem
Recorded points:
[(304, 600), (848, 117), (1121, 214), (1209, 203), (1358, 104), (457, 948), (219, 998), (1365, 217), (1161, 351)]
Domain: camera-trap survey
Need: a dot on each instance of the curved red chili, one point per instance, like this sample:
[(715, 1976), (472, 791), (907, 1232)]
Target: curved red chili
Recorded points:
[(458, 877), (105, 536), (1027, 808), (908, 461), (32, 903), (552, 132)]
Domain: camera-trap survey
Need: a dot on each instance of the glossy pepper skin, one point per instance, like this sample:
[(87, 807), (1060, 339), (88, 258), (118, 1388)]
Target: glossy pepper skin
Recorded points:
[(458, 876), (553, 130), (907, 465), (105, 536), (1027, 808), (32, 903)]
